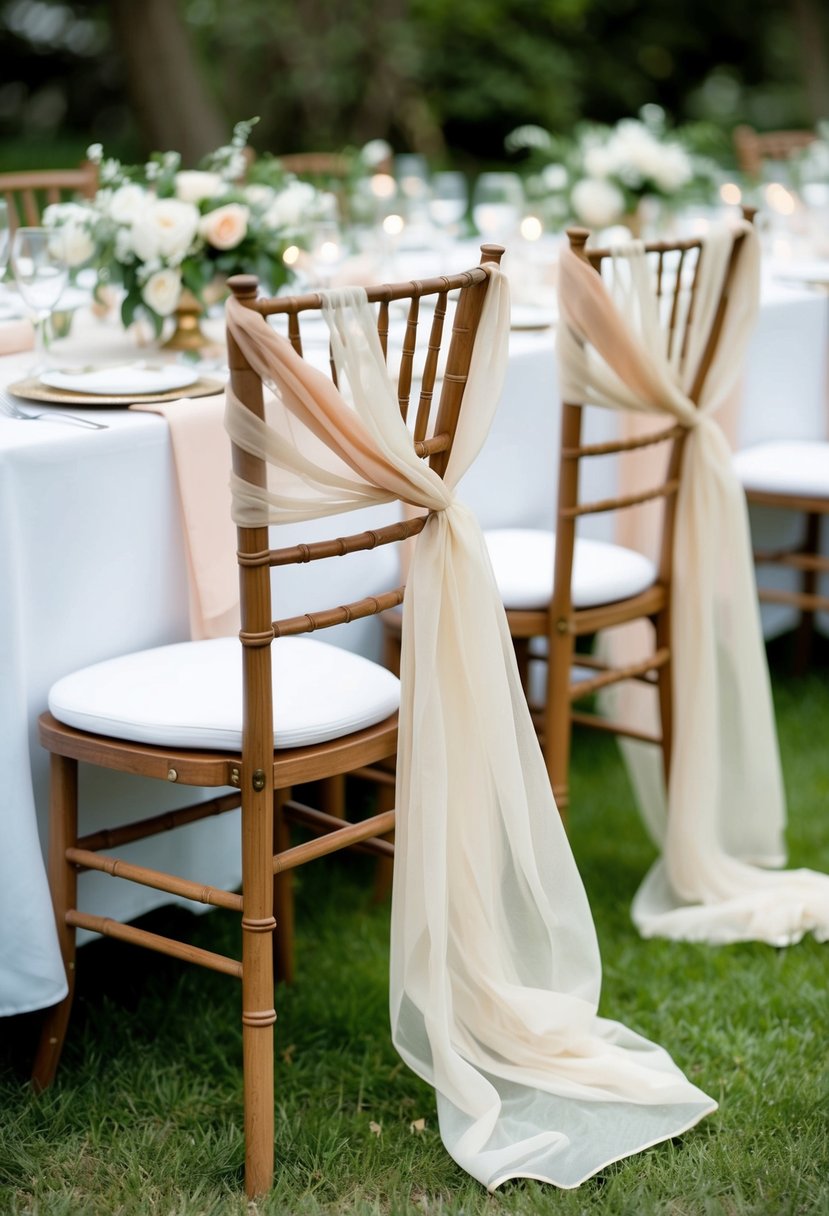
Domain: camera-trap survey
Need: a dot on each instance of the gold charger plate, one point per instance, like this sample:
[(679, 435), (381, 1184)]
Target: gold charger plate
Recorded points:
[(33, 390)]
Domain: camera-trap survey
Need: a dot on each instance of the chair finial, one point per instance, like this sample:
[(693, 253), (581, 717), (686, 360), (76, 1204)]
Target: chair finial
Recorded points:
[(491, 253), (244, 286), (578, 238)]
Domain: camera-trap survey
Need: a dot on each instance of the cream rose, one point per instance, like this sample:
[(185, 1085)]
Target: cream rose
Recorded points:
[(225, 227), (194, 185), (597, 202), (161, 291), (72, 244), (291, 205), (126, 203), (166, 228)]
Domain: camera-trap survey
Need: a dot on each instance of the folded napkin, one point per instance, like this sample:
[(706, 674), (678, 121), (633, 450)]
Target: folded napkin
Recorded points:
[(16, 336), (201, 450)]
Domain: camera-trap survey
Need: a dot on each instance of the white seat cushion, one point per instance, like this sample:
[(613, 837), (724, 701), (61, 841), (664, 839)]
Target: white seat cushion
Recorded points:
[(522, 559), (190, 694), (790, 466)]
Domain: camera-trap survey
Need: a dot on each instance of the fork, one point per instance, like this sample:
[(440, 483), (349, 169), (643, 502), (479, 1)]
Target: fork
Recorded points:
[(11, 410)]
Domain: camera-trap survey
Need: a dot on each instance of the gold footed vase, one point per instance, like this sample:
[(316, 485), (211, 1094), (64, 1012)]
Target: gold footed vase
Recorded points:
[(188, 334)]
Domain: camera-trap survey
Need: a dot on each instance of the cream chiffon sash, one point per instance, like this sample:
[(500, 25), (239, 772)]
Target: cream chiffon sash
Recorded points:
[(725, 803), (495, 971)]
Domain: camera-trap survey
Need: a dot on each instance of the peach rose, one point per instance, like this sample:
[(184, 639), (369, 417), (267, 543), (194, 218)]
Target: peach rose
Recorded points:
[(225, 227)]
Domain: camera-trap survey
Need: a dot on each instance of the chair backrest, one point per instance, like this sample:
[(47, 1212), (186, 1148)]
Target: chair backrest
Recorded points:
[(316, 164), (29, 193), (754, 147), (675, 269), (432, 421)]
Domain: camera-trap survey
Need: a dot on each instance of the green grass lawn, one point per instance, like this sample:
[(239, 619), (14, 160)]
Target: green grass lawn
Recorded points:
[(146, 1115)]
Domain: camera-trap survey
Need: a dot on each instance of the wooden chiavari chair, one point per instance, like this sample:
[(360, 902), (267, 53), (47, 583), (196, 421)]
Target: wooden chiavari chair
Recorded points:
[(29, 193), (754, 147), (259, 775), (792, 475), (558, 588)]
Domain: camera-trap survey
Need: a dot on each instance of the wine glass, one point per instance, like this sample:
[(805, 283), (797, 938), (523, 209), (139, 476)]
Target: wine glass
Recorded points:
[(497, 205), (447, 205), (5, 239), (326, 252), (41, 275)]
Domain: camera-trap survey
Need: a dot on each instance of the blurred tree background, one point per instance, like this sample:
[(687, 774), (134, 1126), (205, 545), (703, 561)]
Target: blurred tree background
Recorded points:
[(445, 77)]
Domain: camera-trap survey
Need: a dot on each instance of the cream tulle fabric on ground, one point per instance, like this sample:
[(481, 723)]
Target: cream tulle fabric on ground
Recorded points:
[(495, 970), (725, 803)]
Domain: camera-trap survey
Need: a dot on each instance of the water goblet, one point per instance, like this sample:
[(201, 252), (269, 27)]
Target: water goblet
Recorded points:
[(448, 202), (497, 205), (41, 275), (5, 240)]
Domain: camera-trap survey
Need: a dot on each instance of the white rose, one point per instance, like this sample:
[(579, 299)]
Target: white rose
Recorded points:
[(259, 195), (554, 177), (127, 203), (225, 227), (161, 291), (193, 185), (674, 169), (291, 205), (599, 161), (597, 202), (72, 244), (166, 228), (375, 152)]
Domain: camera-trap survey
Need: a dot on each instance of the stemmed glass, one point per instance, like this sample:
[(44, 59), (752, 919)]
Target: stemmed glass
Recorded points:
[(447, 205), (497, 205), (4, 241), (41, 275)]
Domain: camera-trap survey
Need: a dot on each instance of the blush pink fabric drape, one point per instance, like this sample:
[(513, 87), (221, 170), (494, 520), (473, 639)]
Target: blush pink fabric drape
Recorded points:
[(495, 973), (725, 804)]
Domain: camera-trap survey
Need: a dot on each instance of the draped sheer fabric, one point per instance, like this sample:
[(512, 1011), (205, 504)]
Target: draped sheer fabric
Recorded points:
[(495, 971), (725, 811)]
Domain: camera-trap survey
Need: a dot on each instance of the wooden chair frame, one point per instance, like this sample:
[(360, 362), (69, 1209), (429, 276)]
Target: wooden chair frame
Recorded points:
[(806, 558), (260, 776), (562, 624), (28, 193), (755, 147)]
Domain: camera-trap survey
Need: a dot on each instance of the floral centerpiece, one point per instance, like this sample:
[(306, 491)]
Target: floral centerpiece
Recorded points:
[(160, 231), (600, 175)]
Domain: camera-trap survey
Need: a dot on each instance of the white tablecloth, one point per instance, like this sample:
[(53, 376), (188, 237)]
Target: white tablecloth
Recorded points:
[(93, 565)]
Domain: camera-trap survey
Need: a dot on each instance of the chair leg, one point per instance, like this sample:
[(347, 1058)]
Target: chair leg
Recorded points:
[(664, 681), (558, 726), (258, 1013), (283, 897), (804, 636), (63, 882), (384, 870)]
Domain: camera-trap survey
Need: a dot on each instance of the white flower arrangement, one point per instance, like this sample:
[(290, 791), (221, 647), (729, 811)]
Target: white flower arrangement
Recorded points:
[(158, 229), (601, 173)]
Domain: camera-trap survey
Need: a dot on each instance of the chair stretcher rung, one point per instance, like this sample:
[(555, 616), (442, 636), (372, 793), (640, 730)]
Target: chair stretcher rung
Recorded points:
[(340, 838), (342, 545), (160, 881), (154, 941), (798, 599), (594, 722), (799, 561), (113, 838), (667, 489), (321, 822), (623, 445), (354, 611), (615, 675)]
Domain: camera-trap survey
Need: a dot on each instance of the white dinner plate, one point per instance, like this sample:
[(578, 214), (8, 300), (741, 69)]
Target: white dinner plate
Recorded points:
[(136, 378)]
